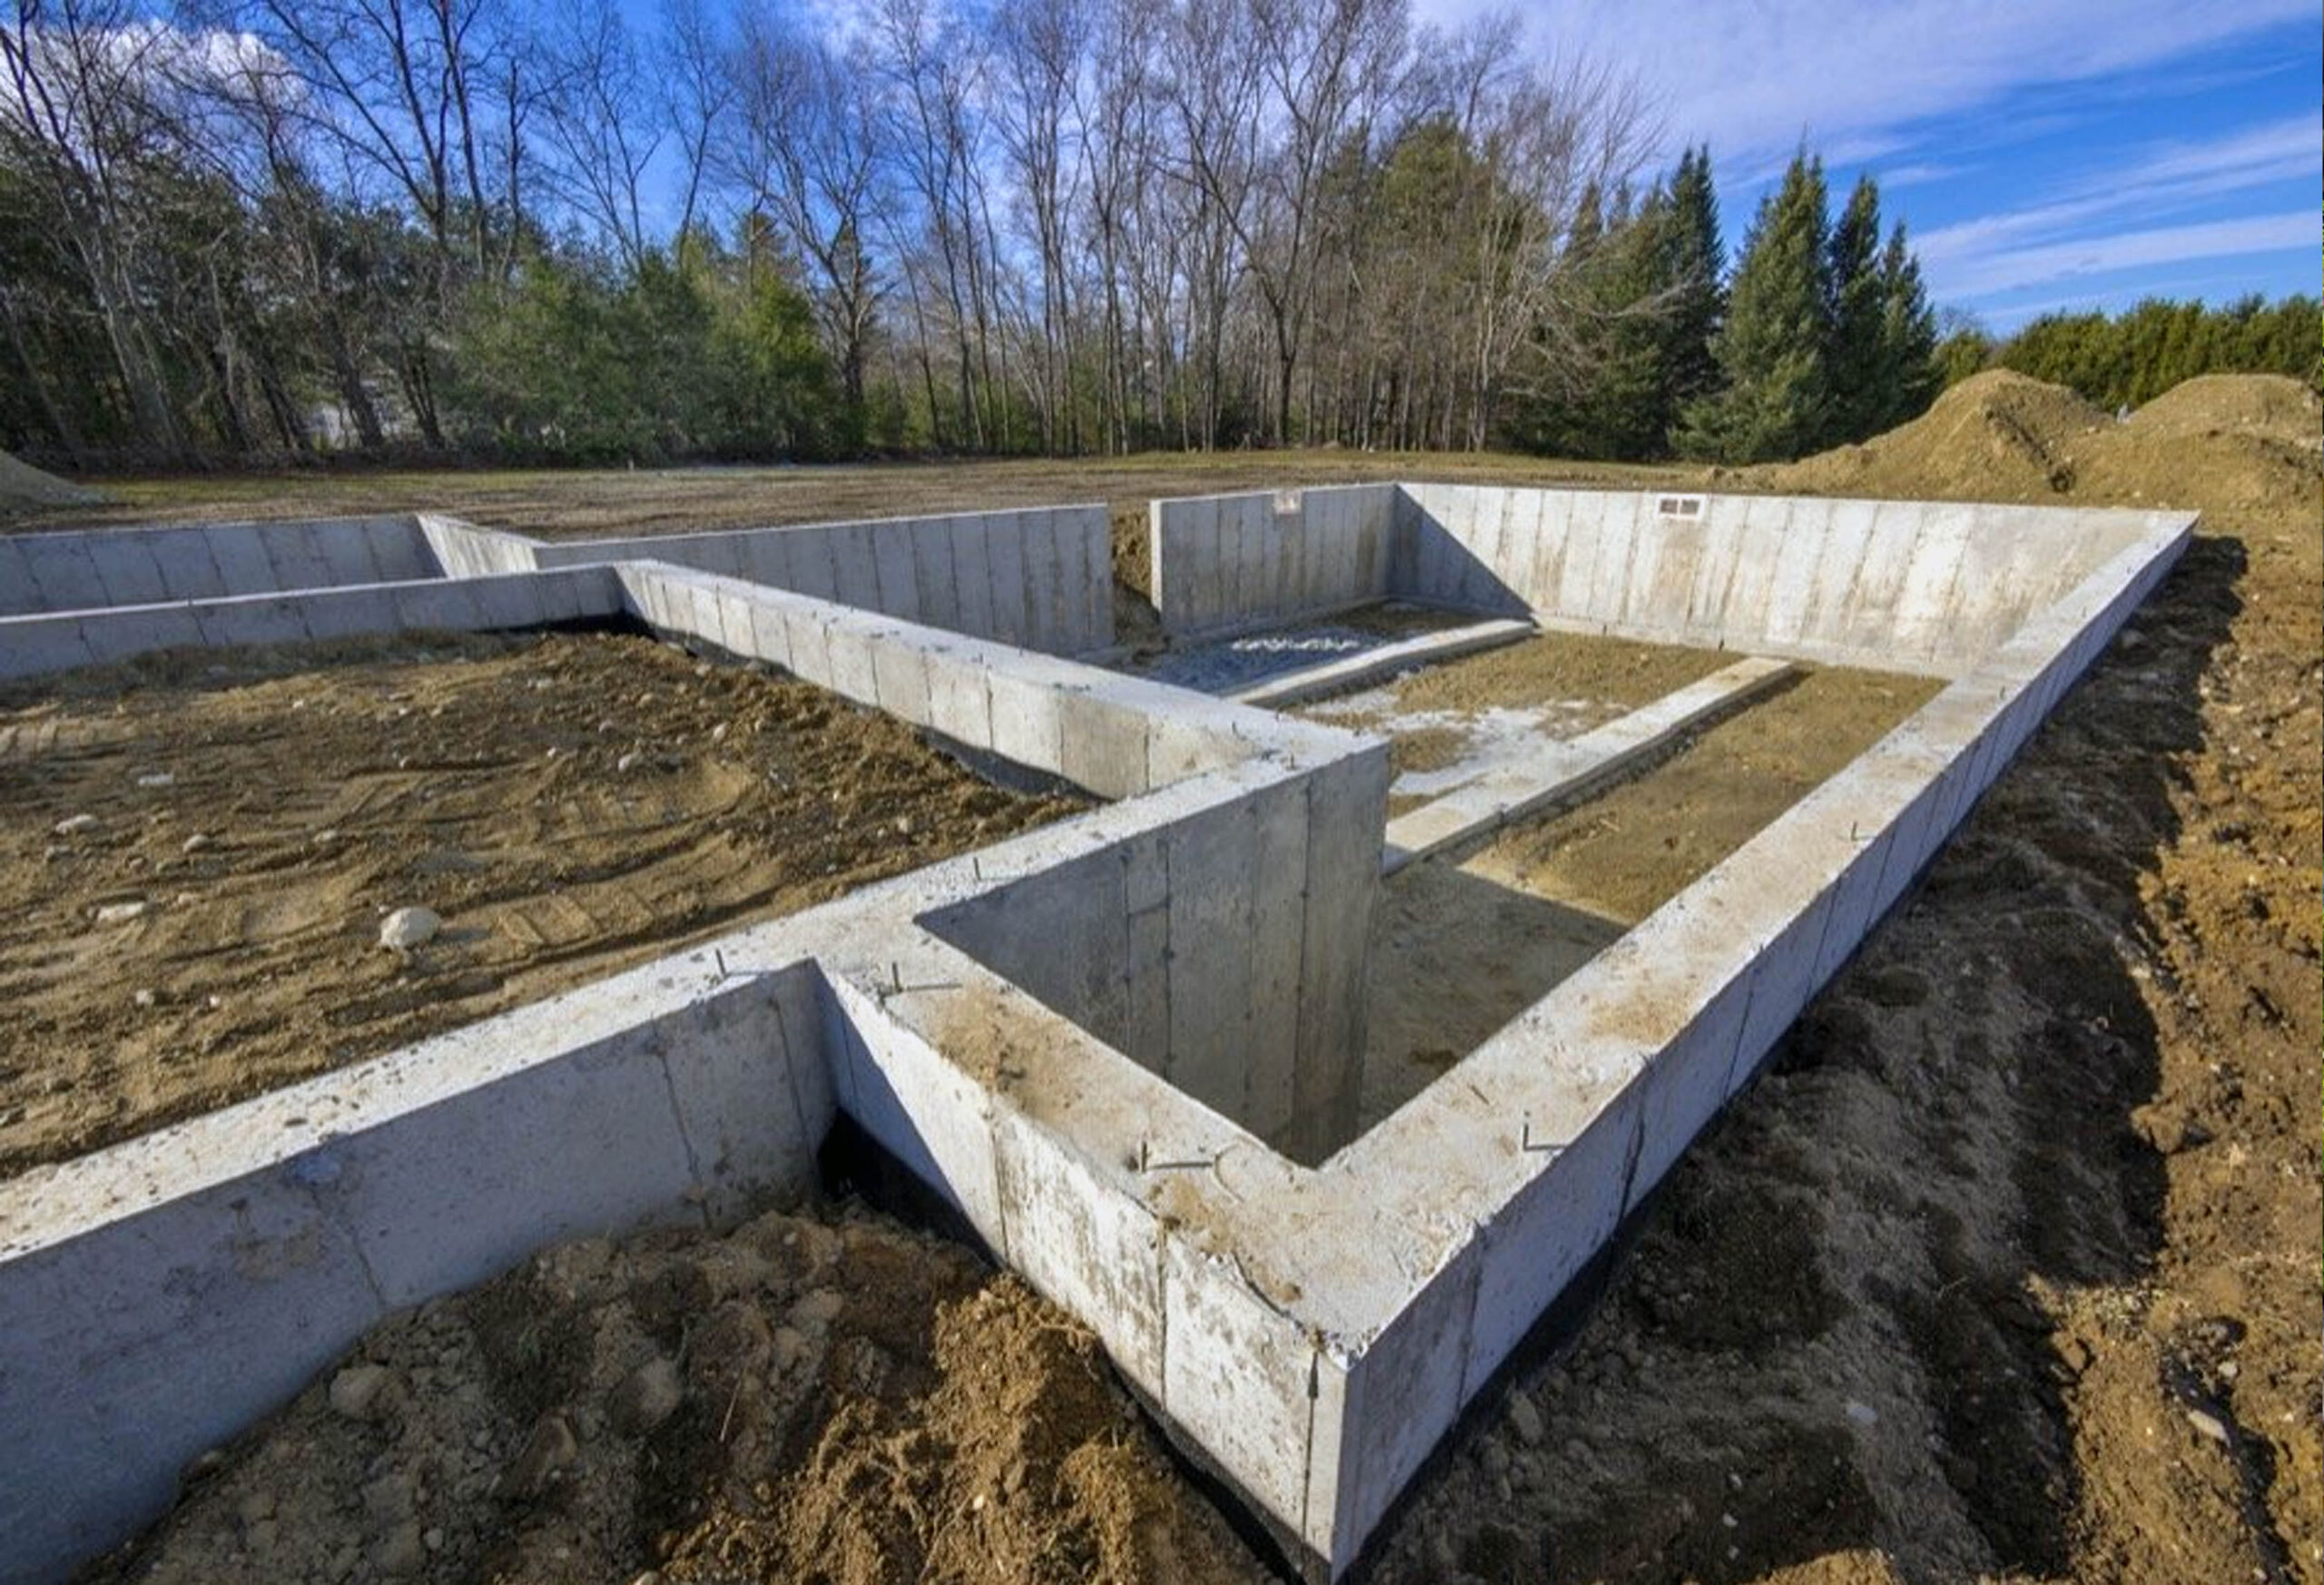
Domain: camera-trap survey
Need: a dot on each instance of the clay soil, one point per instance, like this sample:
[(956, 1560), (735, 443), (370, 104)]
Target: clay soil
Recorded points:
[(568, 804), (2007, 1267)]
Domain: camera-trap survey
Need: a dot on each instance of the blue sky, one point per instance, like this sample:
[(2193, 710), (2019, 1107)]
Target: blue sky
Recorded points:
[(2044, 154)]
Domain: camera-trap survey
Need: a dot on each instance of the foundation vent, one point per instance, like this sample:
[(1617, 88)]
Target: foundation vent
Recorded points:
[(1679, 507)]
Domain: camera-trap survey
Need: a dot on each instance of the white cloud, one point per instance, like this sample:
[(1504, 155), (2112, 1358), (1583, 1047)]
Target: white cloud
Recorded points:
[(2009, 269), (1755, 79), (2138, 186)]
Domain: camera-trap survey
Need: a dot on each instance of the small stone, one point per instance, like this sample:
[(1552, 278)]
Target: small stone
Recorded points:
[(629, 762), (120, 913), (144, 998), (194, 843), (406, 928), (157, 779), (2208, 1425), (76, 825), (328, 835), (645, 1397), (789, 1348), (1526, 1418), (355, 1392), (433, 1537), (718, 732), (257, 1505), (547, 1452), (1864, 1414)]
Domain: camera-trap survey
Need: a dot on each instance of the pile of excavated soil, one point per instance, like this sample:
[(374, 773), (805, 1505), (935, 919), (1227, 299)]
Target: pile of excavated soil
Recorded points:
[(1997, 436), (2224, 442), (25, 488), (197, 851), (812, 1397)]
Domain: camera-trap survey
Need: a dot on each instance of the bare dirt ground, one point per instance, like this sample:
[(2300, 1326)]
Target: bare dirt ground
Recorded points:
[(2007, 1268), (196, 851), (812, 1397), (1462, 944), (572, 505)]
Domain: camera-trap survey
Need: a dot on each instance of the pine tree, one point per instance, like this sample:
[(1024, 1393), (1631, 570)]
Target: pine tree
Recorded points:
[(1696, 269), (1855, 353), (1907, 337), (1776, 384)]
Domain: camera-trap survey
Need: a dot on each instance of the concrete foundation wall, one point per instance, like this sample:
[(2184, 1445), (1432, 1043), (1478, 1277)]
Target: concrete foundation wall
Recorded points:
[(1230, 561), (1223, 950), (1038, 579), (259, 1242), (463, 550), (1563, 1122), (87, 569), (35, 646), (1906, 586)]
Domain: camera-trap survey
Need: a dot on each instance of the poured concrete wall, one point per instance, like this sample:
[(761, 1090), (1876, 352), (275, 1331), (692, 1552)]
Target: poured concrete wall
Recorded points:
[(255, 1244), (463, 550), (1223, 950), (87, 569), (1906, 586), (1230, 561), (1039, 579), (1560, 1125), (1310, 1331), (35, 646)]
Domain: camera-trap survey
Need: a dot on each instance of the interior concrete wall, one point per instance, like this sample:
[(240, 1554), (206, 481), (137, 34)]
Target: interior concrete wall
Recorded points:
[(464, 550), (1221, 562), (1223, 950), (1040, 578), (35, 646), (85, 569), (157, 1299)]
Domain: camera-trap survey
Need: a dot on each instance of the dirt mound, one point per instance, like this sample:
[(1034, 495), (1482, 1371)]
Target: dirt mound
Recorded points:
[(1996, 435), (25, 488), (2272, 405), (2218, 443), (812, 1396)]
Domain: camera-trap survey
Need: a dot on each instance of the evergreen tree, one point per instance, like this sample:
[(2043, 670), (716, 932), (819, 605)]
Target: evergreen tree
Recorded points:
[(1855, 351), (1695, 269), (1775, 383), (1908, 337)]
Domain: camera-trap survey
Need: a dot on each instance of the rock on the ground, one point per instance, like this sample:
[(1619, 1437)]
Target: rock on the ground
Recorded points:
[(75, 825), (406, 928), (355, 1392)]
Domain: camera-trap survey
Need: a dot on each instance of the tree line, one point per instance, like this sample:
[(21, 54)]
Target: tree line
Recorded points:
[(275, 229), (2127, 360)]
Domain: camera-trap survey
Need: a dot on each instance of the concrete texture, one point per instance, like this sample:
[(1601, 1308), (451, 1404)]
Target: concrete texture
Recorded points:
[(1227, 561), (1097, 1039), (33, 645), (1038, 579), (94, 568)]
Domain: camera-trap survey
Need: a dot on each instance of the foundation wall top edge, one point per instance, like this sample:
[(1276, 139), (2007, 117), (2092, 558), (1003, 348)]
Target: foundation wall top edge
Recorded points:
[(52, 1205)]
